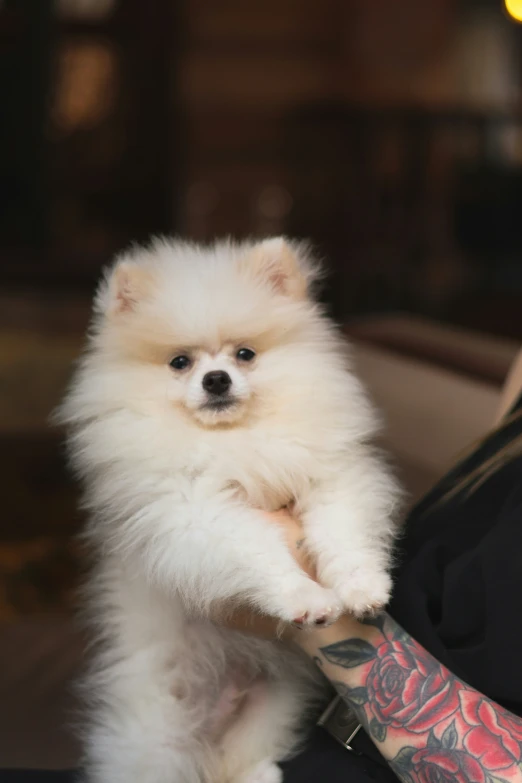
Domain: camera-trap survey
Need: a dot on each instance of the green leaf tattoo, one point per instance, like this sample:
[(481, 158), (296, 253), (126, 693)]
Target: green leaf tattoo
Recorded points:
[(349, 653), (450, 737), (376, 622), (433, 742), (358, 696), (377, 730), (402, 761)]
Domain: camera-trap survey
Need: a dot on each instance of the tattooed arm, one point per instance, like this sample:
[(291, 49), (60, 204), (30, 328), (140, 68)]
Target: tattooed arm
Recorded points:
[(430, 726)]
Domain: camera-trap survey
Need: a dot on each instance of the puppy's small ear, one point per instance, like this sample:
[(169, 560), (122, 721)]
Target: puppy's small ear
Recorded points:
[(277, 261), (127, 285)]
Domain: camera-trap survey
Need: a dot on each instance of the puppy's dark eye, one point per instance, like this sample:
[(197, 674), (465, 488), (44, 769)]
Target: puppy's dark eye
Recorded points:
[(245, 355), (180, 363)]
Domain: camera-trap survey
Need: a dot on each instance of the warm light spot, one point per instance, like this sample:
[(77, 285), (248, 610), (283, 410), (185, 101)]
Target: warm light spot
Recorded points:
[(514, 9)]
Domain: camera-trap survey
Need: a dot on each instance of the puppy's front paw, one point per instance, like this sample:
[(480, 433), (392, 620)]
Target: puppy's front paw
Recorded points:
[(365, 591), (305, 603)]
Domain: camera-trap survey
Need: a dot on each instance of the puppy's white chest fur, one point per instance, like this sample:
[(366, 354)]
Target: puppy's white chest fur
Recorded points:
[(261, 469)]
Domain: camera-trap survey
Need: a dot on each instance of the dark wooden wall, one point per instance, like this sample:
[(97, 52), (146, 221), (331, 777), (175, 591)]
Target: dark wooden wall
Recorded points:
[(352, 123)]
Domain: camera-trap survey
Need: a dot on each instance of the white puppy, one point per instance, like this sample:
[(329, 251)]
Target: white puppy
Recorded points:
[(213, 387)]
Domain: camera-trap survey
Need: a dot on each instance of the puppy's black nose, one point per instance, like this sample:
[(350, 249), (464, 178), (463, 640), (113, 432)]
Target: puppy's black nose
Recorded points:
[(217, 382)]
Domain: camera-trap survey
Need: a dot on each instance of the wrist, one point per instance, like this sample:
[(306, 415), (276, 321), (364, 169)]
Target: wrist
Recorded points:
[(310, 640)]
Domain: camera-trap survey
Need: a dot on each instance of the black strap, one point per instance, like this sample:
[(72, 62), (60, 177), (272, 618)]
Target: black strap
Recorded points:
[(342, 724), (363, 745)]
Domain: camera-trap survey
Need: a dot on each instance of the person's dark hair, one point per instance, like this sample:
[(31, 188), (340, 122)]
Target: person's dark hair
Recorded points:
[(471, 481)]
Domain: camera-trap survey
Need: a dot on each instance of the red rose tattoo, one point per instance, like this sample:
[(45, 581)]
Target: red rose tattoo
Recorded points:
[(446, 732), (495, 737), (406, 690), (437, 765)]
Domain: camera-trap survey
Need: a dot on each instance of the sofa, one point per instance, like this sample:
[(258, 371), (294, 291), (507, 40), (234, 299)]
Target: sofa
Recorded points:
[(438, 389)]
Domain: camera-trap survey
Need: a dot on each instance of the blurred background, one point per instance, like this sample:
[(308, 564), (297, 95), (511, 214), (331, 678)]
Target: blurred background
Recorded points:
[(389, 133)]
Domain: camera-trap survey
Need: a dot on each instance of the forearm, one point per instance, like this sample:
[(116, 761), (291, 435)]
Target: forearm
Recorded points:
[(427, 723)]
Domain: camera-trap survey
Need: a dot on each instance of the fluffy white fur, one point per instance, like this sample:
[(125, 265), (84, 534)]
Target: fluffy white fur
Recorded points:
[(174, 490)]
